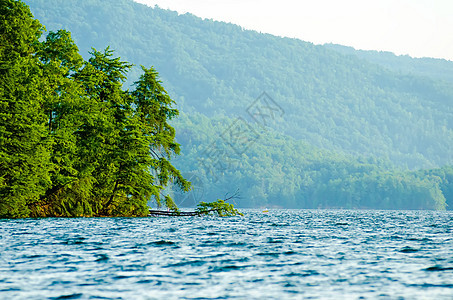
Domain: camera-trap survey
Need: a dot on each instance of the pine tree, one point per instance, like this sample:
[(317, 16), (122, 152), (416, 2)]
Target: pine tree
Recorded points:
[(153, 110)]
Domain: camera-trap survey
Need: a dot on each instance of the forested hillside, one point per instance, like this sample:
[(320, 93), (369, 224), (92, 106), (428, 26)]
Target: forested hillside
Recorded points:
[(331, 100), (339, 124), (274, 170), (426, 67)]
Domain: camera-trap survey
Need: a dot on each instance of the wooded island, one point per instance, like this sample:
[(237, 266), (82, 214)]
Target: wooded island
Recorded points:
[(73, 142)]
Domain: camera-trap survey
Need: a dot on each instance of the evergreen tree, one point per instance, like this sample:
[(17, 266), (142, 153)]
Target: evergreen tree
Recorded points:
[(72, 141), (63, 106), (24, 146), (153, 110)]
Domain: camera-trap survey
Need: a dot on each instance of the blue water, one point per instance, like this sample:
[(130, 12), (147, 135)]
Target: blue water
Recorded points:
[(285, 254)]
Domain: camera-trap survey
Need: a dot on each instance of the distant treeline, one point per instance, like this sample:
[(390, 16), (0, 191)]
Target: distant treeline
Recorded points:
[(277, 171)]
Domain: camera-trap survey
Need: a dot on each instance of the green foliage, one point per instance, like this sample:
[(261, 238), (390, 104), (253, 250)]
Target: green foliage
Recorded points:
[(443, 180), (219, 208), (73, 142), (24, 146), (170, 204)]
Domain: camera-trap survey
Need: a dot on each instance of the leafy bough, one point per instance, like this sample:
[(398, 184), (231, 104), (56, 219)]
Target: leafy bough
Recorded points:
[(220, 208)]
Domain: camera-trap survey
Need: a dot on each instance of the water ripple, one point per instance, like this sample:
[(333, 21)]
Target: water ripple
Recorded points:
[(287, 254)]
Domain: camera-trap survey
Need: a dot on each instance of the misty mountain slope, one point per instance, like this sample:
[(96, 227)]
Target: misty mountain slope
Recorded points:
[(435, 68), (331, 100)]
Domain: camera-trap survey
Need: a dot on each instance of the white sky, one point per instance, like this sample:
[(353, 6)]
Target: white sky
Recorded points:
[(420, 28)]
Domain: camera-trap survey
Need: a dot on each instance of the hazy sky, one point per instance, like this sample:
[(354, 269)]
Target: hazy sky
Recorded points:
[(415, 27)]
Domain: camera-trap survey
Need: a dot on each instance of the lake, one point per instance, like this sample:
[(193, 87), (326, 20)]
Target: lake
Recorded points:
[(283, 254)]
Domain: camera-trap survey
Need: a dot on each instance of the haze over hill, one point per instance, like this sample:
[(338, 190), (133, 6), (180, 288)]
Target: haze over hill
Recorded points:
[(435, 68), (337, 106), (419, 28)]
